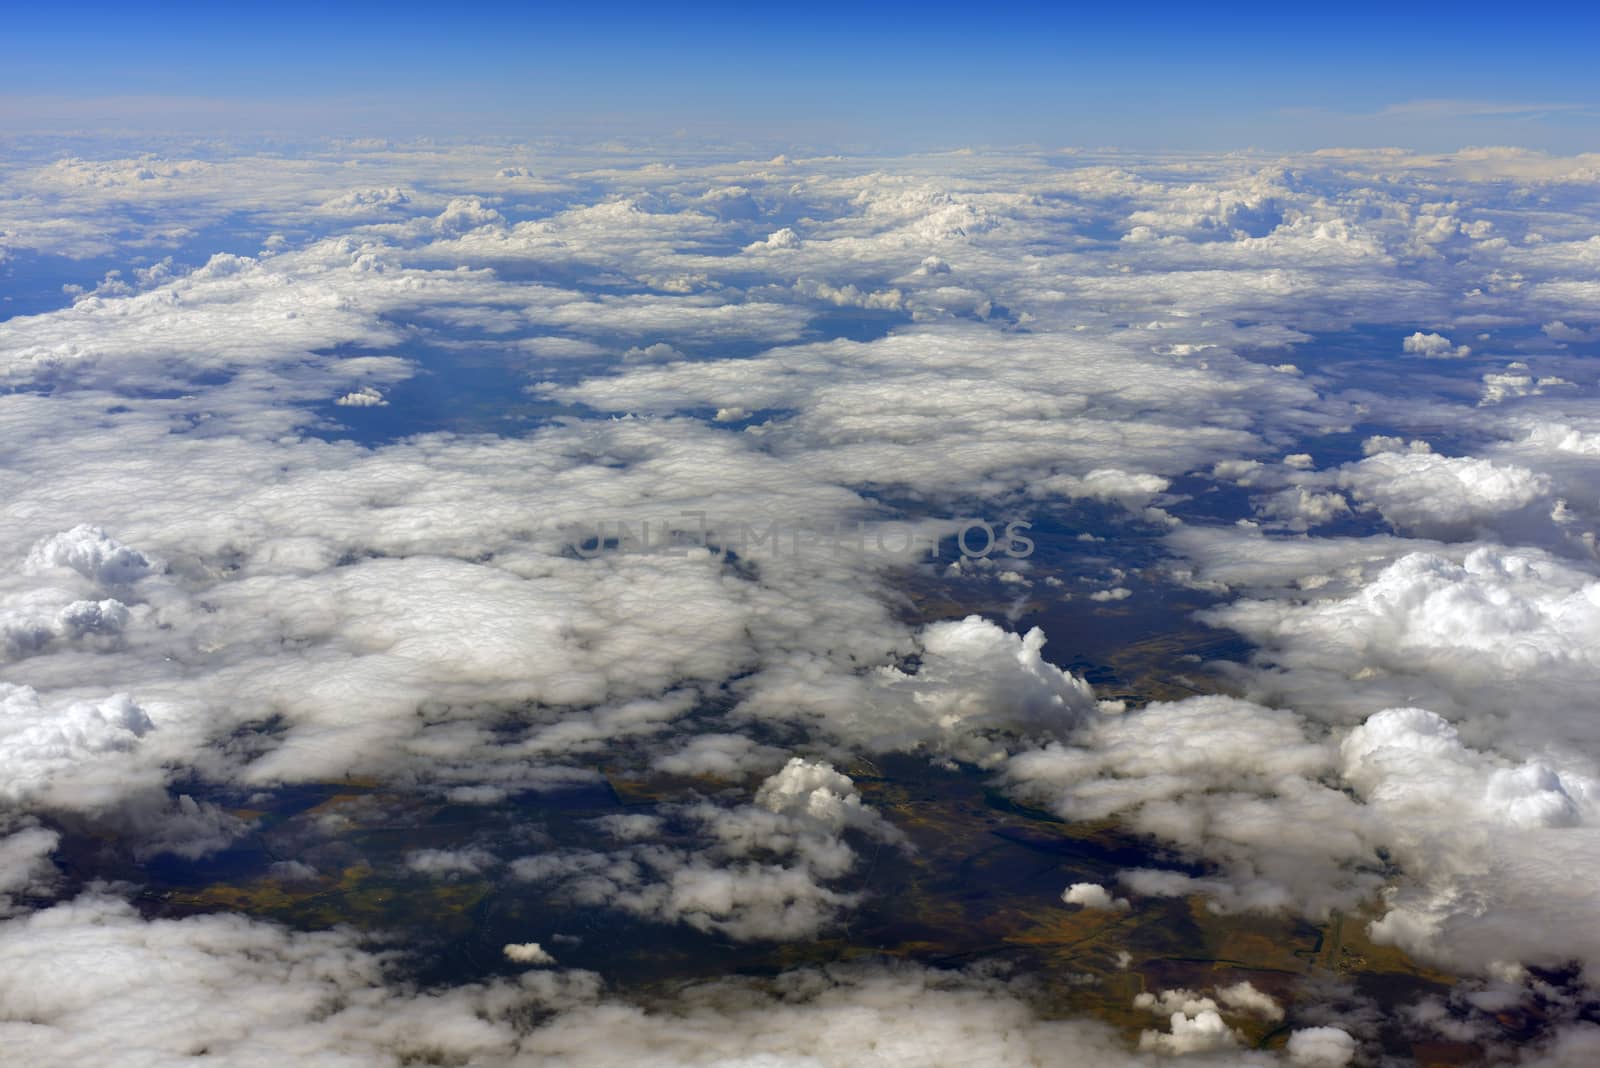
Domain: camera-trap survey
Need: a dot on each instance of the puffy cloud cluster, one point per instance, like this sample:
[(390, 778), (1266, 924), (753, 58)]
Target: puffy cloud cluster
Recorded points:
[(955, 408), (1498, 855), (1488, 819), (33, 622), (1434, 347), (1485, 861), (1471, 637), (450, 863), (89, 981), (1196, 1021), (76, 988), (977, 692), (38, 615), (756, 871), (1233, 783), (230, 557), (339, 590), (91, 553), (1441, 496), (1414, 489), (58, 752), (846, 1017), (365, 397)]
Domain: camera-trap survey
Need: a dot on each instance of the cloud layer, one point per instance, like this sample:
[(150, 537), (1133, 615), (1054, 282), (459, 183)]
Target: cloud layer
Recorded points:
[(329, 502)]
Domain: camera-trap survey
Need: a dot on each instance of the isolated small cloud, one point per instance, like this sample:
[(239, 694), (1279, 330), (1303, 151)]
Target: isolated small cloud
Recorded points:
[(1093, 896), (528, 953), (1434, 347), (778, 239), (1321, 1047), (365, 397)]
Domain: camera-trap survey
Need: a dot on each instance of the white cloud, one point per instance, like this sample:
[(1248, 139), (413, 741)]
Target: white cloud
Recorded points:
[(1321, 1047), (1488, 818), (63, 754), (93, 554), (975, 685), (25, 865), (1469, 637), (1497, 854), (528, 953), (727, 756), (1243, 997), (1300, 508), (365, 397), (187, 565), (1234, 783), (1441, 495), (76, 988), (1092, 896), (450, 863), (784, 237), (89, 981), (756, 871), (1195, 1024), (1560, 331)]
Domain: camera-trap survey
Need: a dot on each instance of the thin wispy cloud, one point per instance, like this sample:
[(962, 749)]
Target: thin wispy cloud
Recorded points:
[(1439, 108)]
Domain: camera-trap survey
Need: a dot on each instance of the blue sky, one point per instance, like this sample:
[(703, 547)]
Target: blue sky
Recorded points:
[(895, 76)]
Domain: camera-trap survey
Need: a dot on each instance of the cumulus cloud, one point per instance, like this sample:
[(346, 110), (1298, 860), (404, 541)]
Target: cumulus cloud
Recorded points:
[(391, 603), (1195, 1024), (365, 397), (1468, 636), (1441, 496), (784, 237), (528, 953), (30, 623), (1321, 1047), (466, 213), (366, 201), (1243, 997), (92, 553), (1495, 850), (183, 827), (975, 685), (205, 581), (1233, 783), (1301, 509), (1481, 798), (1092, 896), (1560, 331), (61, 753), (1434, 347), (757, 871), (845, 1017)]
